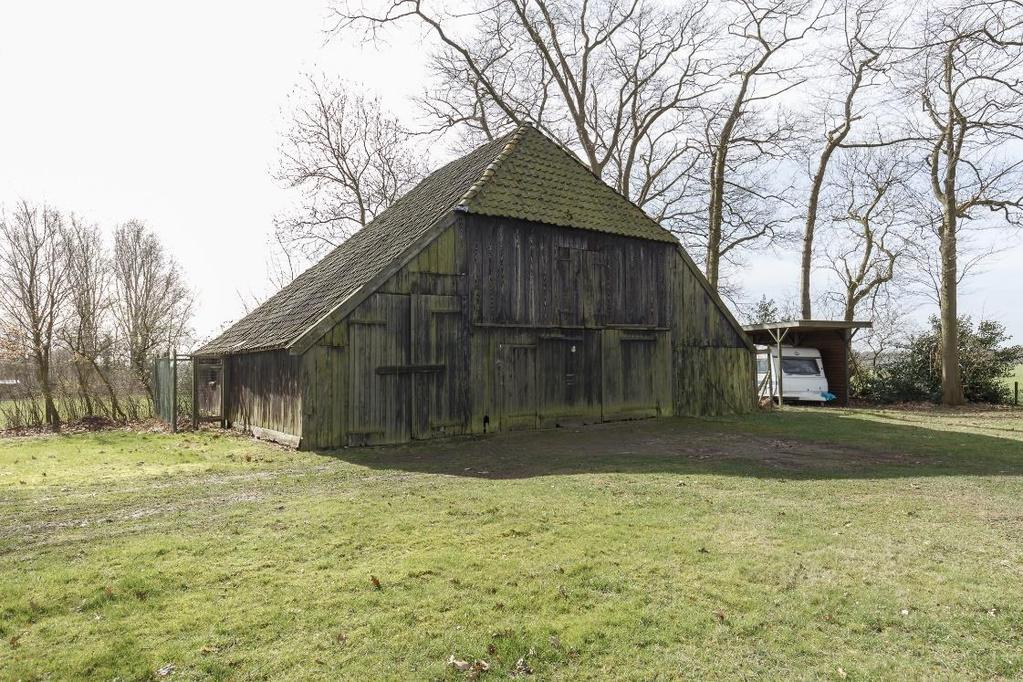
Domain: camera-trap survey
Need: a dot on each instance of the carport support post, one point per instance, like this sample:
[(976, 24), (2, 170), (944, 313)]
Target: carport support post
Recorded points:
[(781, 376), (778, 335)]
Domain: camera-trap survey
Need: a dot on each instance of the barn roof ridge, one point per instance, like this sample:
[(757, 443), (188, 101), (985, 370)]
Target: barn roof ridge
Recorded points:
[(491, 170)]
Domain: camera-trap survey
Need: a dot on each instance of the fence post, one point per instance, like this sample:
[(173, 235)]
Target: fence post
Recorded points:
[(174, 391), (195, 394), (1015, 391)]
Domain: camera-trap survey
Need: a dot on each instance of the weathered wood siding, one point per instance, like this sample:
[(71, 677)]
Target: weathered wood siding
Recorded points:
[(503, 324), (264, 392), (395, 368), (531, 275), (713, 366)]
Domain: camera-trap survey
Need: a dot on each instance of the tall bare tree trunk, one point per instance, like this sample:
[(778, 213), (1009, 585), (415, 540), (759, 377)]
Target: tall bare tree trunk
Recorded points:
[(808, 233), (115, 407), (82, 376), (714, 219), (951, 381), (46, 387)]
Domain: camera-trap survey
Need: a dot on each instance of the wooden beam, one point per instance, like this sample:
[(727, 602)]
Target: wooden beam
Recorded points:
[(223, 392)]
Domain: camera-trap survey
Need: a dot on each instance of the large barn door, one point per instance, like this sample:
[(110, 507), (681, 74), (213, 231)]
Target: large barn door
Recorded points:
[(438, 366), (516, 386), (568, 375), (636, 368), (379, 395)]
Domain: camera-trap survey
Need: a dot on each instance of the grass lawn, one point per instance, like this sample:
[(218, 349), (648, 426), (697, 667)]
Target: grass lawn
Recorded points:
[(807, 544)]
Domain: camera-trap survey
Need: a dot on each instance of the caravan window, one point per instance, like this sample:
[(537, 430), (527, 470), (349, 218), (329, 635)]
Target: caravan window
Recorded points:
[(761, 364), (804, 367)]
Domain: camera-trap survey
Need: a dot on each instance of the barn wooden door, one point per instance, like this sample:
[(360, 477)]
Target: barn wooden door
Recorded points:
[(568, 378), (517, 394), (379, 386), (438, 366), (635, 373)]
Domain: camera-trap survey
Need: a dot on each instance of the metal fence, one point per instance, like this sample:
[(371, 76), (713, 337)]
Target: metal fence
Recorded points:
[(188, 391), (172, 390)]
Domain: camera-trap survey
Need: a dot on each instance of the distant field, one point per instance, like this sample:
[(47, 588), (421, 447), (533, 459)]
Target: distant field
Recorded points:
[(807, 544), (1018, 376)]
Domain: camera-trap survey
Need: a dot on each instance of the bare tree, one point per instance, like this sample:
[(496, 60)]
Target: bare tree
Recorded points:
[(620, 83), (153, 304), (872, 231), (283, 265), (968, 79), (34, 287), (87, 332), (741, 130), (887, 333), (349, 160), (868, 39)]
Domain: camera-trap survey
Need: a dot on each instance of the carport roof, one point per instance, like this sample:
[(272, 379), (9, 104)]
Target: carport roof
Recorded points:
[(808, 325)]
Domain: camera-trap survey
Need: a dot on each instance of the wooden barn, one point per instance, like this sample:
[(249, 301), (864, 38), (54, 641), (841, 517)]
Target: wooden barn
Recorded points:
[(510, 289)]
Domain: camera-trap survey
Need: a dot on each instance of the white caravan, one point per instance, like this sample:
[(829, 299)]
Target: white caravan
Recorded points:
[(802, 374)]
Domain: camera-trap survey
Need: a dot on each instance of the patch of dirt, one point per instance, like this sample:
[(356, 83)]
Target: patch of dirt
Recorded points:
[(644, 446)]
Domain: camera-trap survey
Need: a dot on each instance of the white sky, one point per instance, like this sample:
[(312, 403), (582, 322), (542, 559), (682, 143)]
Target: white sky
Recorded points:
[(171, 113)]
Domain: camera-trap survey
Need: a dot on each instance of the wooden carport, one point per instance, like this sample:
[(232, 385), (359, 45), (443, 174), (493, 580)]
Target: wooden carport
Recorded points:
[(833, 338)]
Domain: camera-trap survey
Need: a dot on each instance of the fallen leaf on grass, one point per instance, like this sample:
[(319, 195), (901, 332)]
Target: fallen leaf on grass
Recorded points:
[(459, 665), (376, 582), (475, 668), (720, 616), (521, 667), (165, 670)]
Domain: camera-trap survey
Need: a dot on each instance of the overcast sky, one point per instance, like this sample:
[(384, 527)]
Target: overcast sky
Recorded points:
[(171, 113)]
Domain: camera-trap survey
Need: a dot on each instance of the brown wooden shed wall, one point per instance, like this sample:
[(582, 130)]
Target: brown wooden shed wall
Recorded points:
[(264, 392)]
